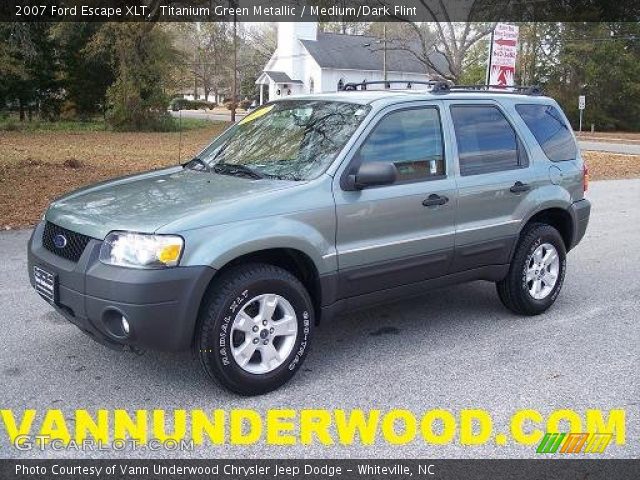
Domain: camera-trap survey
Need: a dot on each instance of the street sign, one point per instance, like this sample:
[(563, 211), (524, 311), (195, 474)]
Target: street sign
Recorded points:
[(502, 56), (581, 102)]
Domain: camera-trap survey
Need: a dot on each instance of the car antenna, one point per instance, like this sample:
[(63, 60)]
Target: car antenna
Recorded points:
[(179, 134)]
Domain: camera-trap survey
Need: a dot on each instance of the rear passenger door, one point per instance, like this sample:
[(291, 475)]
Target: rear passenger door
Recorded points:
[(398, 234), (495, 188)]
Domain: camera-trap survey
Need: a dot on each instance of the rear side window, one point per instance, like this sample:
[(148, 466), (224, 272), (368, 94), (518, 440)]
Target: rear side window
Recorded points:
[(410, 139), (551, 131), (486, 140)]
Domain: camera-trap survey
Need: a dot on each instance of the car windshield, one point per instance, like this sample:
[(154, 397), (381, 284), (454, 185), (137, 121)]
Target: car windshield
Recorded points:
[(292, 140)]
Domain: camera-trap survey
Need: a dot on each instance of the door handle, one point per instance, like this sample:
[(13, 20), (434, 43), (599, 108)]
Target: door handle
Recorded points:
[(519, 187), (434, 199)]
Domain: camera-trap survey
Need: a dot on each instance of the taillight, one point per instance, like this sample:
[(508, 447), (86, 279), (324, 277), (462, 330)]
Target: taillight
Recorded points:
[(585, 177)]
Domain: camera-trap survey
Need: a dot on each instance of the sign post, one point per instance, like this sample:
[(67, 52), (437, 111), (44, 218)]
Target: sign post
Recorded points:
[(501, 68), (581, 105)]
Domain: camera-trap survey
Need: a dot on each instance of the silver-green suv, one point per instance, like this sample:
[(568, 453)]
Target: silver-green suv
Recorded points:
[(311, 206)]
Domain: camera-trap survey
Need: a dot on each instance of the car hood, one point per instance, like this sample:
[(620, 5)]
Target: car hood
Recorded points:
[(148, 201)]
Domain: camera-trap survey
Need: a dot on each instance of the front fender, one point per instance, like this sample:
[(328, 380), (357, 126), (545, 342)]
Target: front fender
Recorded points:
[(217, 245)]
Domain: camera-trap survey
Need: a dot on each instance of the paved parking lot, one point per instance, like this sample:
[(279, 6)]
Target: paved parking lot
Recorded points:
[(623, 148), (454, 348)]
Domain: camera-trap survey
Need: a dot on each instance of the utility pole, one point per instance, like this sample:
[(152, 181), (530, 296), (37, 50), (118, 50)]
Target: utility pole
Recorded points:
[(384, 53), (195, 73), (235, 68)]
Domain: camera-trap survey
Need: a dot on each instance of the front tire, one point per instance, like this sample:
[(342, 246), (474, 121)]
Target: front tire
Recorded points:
[(536, 273), (255, 328)]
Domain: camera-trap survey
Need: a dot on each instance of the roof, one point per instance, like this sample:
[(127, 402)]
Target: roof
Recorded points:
[(363, 52), (392, 96), (280, 77)]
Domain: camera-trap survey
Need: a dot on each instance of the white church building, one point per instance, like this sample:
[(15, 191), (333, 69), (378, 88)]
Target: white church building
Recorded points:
[(308, 61)]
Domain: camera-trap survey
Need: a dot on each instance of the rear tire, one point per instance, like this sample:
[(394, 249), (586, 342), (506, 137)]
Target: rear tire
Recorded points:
[(255, 328), (536, 273)]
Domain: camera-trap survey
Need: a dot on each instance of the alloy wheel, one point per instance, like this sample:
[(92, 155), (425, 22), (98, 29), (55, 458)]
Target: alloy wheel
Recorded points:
[(263, 333), (543, 269)]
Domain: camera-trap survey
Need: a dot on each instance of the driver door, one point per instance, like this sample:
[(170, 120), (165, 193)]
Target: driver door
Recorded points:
[(399, 234)]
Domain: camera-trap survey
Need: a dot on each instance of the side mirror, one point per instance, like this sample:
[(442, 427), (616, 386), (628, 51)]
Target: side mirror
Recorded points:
[(372, 174)]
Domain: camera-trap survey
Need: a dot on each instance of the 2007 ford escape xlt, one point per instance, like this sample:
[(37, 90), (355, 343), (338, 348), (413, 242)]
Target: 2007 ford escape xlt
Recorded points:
[(314, 205)]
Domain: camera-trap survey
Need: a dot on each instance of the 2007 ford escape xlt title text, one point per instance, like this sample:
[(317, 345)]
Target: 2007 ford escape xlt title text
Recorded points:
[(312, 206)]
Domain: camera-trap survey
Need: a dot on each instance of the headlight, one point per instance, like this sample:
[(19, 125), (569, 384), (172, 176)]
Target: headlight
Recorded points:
[(139, 250)]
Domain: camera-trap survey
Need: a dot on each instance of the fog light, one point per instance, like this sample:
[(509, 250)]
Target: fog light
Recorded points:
[(125, 326)]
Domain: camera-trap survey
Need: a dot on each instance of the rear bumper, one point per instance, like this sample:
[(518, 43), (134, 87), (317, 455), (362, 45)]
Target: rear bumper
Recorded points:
[(161, 306), (580, 212)]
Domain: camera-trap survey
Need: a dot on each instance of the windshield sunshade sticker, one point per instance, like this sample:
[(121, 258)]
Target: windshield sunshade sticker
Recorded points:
[(255, 115)]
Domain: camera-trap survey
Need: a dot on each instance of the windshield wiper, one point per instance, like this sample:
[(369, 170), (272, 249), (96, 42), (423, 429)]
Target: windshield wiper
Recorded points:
[(284, 176), (196, 164), (239, 170)]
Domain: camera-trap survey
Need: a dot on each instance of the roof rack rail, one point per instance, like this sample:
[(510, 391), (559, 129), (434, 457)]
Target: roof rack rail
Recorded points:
[(437, 85), (441, 86), (521, 89)]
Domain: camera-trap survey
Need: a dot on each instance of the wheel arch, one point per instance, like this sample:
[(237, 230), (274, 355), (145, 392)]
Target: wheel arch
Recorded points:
[(559, 218), (293, 260)]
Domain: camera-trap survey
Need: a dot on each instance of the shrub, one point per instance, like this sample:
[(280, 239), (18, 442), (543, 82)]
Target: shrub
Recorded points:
[(184, 104), (244, 104), (204, 104), (141, 120), (10, 126)]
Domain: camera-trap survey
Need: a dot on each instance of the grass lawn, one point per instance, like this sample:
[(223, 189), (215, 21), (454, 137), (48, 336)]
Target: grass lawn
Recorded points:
[(38, 166), (12, 124), (608, 166)]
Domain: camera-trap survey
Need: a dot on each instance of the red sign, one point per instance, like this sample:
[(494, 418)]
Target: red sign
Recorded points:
[(502, 59), (504, 42)]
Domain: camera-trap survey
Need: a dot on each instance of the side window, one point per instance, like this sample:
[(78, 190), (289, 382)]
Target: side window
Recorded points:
[(486, 140), (410, 139), (551, 131)]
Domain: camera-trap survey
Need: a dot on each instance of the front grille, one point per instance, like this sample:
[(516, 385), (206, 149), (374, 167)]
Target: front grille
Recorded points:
[(74, 245)]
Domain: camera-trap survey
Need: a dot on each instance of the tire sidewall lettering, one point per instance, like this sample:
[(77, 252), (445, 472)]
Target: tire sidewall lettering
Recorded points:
[(223, 339), (303, 343), (556, 290), (225, 334)]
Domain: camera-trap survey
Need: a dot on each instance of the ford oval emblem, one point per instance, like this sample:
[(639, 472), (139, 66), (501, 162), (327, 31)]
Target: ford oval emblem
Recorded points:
[(60, 241)]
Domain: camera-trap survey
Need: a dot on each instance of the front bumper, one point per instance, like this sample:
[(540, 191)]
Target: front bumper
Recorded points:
[(580, 212), (161, 306)]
